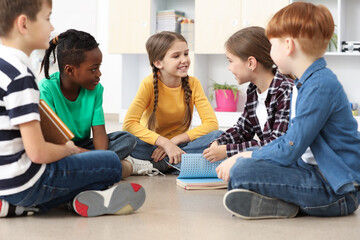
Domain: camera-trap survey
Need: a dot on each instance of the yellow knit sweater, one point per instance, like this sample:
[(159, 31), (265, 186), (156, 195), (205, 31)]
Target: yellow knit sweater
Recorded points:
[(170, 112)]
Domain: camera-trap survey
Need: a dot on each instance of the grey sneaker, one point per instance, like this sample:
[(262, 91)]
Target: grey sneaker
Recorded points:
[(143, 167), (120, 199), (250, 205)]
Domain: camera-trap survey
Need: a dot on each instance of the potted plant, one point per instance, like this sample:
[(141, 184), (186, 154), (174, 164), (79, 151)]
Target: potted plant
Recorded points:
[(333, 42), (226, 96)]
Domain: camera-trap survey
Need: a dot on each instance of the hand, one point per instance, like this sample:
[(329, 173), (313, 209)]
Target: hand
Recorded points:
[(215, 152), (158, 154), (214, 144), (223, 170), (82, 150), (172, 150), (72, 148), (174, 153)]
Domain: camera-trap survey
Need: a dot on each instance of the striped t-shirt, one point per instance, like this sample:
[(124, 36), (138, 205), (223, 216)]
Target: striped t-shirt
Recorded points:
[(19, 103)]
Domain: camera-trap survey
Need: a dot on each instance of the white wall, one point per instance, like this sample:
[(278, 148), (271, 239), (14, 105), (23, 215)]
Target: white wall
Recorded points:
[(92, 16)]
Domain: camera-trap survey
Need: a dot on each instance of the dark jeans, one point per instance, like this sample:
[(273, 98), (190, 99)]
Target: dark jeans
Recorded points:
[(64, 179), (301, 184), (122, 143)]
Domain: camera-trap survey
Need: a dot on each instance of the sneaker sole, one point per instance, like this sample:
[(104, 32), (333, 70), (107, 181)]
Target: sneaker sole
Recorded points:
[(120, 199), (246, 204)]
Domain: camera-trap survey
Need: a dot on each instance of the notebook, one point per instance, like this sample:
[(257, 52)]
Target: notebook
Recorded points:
[(198, 173), (53, 129)]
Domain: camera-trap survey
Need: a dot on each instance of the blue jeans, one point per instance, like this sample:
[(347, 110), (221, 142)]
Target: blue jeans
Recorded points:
[(301, 184), (144, 150), (64, 179), (122, 143)]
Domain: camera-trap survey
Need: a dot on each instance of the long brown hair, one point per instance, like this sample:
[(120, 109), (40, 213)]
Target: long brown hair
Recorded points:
[(157, 46), (251, 41)]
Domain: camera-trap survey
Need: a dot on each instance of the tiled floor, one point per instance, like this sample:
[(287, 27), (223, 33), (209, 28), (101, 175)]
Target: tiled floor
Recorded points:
[(170, 212)]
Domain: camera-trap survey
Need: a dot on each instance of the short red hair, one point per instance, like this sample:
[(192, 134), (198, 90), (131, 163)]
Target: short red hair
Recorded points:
[(312, 25)]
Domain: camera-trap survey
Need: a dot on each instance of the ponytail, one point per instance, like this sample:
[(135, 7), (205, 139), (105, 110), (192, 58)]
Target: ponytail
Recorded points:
[(45, 64)]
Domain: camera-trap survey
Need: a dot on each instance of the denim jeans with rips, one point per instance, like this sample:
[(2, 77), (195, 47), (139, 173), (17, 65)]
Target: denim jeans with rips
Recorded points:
[(64, 179), (301, 184)]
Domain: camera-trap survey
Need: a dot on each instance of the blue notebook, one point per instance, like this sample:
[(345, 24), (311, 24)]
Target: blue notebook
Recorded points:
[(198, 173)]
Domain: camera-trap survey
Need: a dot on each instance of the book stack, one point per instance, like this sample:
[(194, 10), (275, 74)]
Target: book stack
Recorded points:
[(169, 20), (187, 30), (198, 173)]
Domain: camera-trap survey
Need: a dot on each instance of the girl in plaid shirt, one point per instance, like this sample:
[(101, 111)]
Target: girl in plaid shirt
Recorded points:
[(266, 112)]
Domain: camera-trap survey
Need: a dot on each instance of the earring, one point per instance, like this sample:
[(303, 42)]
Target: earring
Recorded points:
[(251, 69)]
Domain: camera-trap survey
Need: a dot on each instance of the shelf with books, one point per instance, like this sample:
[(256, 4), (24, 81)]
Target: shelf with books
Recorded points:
[(133, 22)]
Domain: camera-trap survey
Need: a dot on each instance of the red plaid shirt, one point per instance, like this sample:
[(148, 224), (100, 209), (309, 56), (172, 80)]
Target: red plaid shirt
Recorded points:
[(241, 135)]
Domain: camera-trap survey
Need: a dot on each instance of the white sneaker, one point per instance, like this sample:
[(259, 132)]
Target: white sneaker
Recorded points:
[(142, 167), (9, 210), (120, 199)]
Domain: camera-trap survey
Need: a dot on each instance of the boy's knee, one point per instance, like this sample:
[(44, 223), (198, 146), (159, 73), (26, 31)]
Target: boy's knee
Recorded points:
[(243, 171), (112, 159)]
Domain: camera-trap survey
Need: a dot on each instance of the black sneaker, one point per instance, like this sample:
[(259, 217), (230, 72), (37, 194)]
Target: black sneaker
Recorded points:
[(250, 205), (120, 199), (9, 210)]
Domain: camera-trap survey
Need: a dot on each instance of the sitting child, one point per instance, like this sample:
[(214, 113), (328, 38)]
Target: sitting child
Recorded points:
[(36, 175), (161, 113), (75, 94), (266, 112), (314, 167)]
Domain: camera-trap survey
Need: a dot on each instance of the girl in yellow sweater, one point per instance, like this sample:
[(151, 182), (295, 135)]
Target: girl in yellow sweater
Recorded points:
[(161, 113)]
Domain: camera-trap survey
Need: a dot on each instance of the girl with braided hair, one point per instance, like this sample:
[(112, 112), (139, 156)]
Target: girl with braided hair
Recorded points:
[(75, 94), (161, 113)]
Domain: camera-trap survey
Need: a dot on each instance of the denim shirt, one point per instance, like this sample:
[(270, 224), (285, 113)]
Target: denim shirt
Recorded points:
[(324, 122)]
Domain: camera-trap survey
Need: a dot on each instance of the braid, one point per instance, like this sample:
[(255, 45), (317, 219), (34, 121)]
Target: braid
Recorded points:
[(157, 46), (70, 49), (45, 64), (188, 93), (152, 119)]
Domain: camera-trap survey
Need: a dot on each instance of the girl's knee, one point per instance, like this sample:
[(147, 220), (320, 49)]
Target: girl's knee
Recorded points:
[(216, 133)]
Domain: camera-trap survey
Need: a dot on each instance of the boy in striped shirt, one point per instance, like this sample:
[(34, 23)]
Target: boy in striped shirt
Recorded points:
[(36, 175)]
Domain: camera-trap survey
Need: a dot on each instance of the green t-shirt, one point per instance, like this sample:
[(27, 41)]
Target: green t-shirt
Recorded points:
[(80, 115)]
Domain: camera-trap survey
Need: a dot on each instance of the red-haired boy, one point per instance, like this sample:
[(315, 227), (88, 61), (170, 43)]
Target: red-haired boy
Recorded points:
[(314, 167)]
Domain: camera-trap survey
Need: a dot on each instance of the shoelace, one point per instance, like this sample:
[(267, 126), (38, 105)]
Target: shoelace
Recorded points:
[(143, 167), (150, 172)]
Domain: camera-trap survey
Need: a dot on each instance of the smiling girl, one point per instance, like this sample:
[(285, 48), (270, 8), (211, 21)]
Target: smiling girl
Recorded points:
[(267, 107), (75, 94), (161, 113)]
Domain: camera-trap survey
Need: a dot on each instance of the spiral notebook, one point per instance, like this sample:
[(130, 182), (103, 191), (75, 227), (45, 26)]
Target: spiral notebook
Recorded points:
[(198, 173)]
